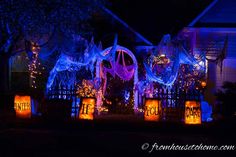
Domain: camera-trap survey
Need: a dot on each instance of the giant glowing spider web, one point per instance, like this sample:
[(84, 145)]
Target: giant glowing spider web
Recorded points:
[(176, 54)]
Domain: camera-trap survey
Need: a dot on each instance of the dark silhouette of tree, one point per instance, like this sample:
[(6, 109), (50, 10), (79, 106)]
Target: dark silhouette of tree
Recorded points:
[(26, 22), (226, 99)]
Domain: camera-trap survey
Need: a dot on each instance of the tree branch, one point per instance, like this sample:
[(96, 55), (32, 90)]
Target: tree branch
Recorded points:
[(53, 33)]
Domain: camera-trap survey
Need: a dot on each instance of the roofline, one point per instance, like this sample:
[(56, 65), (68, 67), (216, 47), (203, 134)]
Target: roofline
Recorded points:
[(126, 25), (209, 29), (202, 13)]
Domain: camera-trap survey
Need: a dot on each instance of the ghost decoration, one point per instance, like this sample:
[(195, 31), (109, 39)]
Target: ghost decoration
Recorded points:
[(206, 111)]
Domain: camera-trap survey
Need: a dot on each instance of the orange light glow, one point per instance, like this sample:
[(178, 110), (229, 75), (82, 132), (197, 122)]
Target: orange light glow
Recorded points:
[(203, 84), (22, 106), (192, 112), (152, 110), (87, 108)]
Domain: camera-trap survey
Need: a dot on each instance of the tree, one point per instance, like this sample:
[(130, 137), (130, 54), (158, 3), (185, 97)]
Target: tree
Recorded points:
[(26, 22)]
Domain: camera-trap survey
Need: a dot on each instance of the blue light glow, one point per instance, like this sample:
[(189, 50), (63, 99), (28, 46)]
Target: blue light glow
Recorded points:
[(73, 64), (177, 56), (206, 111)]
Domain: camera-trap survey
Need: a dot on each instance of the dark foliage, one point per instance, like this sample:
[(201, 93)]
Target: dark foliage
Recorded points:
[(36, 21), (226, 99)]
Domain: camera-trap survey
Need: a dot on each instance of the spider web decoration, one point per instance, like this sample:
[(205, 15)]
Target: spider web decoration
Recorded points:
[(91, 55), (118, 66), (67, 66), (170, 57), (191, 76)]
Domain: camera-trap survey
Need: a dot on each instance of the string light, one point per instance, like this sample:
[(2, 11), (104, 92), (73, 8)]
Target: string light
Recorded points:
[(34, 65), (86, 89), (192, 76)]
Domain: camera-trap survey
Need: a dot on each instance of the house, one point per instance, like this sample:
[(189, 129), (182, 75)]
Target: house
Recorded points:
[(214, 32)]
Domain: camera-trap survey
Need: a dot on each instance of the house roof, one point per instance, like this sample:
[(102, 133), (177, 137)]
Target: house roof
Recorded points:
[(153, 19), (138, 36), (106, 24), (220, 13)]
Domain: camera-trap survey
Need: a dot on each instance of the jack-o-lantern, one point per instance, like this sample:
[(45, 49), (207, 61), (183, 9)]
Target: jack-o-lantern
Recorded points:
[(152, 110), (192, 112), (87, 108), (22, 106)]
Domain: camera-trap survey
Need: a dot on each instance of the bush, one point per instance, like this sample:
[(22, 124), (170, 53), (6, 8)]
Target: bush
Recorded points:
[(225, 99)]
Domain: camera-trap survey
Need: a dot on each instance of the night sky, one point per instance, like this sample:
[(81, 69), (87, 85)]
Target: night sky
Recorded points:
[(154, 18)]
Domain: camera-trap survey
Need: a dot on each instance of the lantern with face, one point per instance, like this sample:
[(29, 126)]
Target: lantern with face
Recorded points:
[(192, 112), (87, 108), (152, 110), (22, 106)]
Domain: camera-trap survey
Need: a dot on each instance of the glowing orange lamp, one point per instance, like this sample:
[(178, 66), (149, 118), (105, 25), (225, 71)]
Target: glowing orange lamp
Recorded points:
[(87, 108), (192, 112), (152, 110), (22, 106), (203, 84)]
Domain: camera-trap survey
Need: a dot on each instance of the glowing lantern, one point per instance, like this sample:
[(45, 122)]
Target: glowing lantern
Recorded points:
[(87, 108), (192, 112), (22, 106), (203, 84), (152, 110)]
